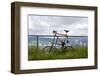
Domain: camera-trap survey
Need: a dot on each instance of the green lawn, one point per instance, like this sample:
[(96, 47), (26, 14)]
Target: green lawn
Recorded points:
[(37, 54)]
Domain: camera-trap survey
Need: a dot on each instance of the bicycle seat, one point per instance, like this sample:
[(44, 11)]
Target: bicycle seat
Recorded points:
[(54, 31), (66, 31)]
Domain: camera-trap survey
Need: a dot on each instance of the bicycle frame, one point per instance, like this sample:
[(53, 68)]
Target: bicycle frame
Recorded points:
[(57, 38), (63, 44)]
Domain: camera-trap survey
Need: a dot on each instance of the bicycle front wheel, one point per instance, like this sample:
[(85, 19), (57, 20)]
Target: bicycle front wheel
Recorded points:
[(49, 49)]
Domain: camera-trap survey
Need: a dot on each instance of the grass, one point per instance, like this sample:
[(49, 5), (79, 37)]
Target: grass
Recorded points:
[(35, 53)]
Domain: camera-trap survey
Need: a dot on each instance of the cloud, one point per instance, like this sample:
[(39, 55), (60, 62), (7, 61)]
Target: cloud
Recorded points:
[(41, 25)]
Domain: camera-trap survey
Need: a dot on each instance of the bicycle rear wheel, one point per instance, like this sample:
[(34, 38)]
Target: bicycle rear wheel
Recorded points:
[(68, 48), (49, 49)]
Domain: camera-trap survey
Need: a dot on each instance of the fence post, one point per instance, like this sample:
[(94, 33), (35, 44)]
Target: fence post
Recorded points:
[(37, 41)]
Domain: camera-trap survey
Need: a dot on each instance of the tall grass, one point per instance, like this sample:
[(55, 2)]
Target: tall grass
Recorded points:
[(35, 53)]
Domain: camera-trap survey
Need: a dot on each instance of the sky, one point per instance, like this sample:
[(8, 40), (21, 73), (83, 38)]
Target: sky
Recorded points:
[(44, 25)]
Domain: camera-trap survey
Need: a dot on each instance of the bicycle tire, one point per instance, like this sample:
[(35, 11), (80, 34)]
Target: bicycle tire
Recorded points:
[(67, 49), (49, 49)]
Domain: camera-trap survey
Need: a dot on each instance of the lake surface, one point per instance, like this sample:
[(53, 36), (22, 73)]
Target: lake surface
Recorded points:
[(44, 40)]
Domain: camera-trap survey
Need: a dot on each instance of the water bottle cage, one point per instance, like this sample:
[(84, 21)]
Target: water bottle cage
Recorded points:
[(67, 41), (63, 44)]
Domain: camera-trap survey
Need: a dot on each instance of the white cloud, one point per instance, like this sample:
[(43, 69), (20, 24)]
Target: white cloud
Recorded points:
[(42, 25)]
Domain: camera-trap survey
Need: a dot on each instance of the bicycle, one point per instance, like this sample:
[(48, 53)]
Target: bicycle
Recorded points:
[(63, 43)]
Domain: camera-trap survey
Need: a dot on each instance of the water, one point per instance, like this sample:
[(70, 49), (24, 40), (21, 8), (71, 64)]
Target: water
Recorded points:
[(44, 40)]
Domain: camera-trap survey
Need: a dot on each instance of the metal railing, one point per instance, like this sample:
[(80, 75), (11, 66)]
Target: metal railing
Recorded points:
[(44, 40)]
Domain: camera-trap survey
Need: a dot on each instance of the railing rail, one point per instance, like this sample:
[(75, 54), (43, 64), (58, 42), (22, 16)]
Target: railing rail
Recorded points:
[(37, 39), (59, 36)]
